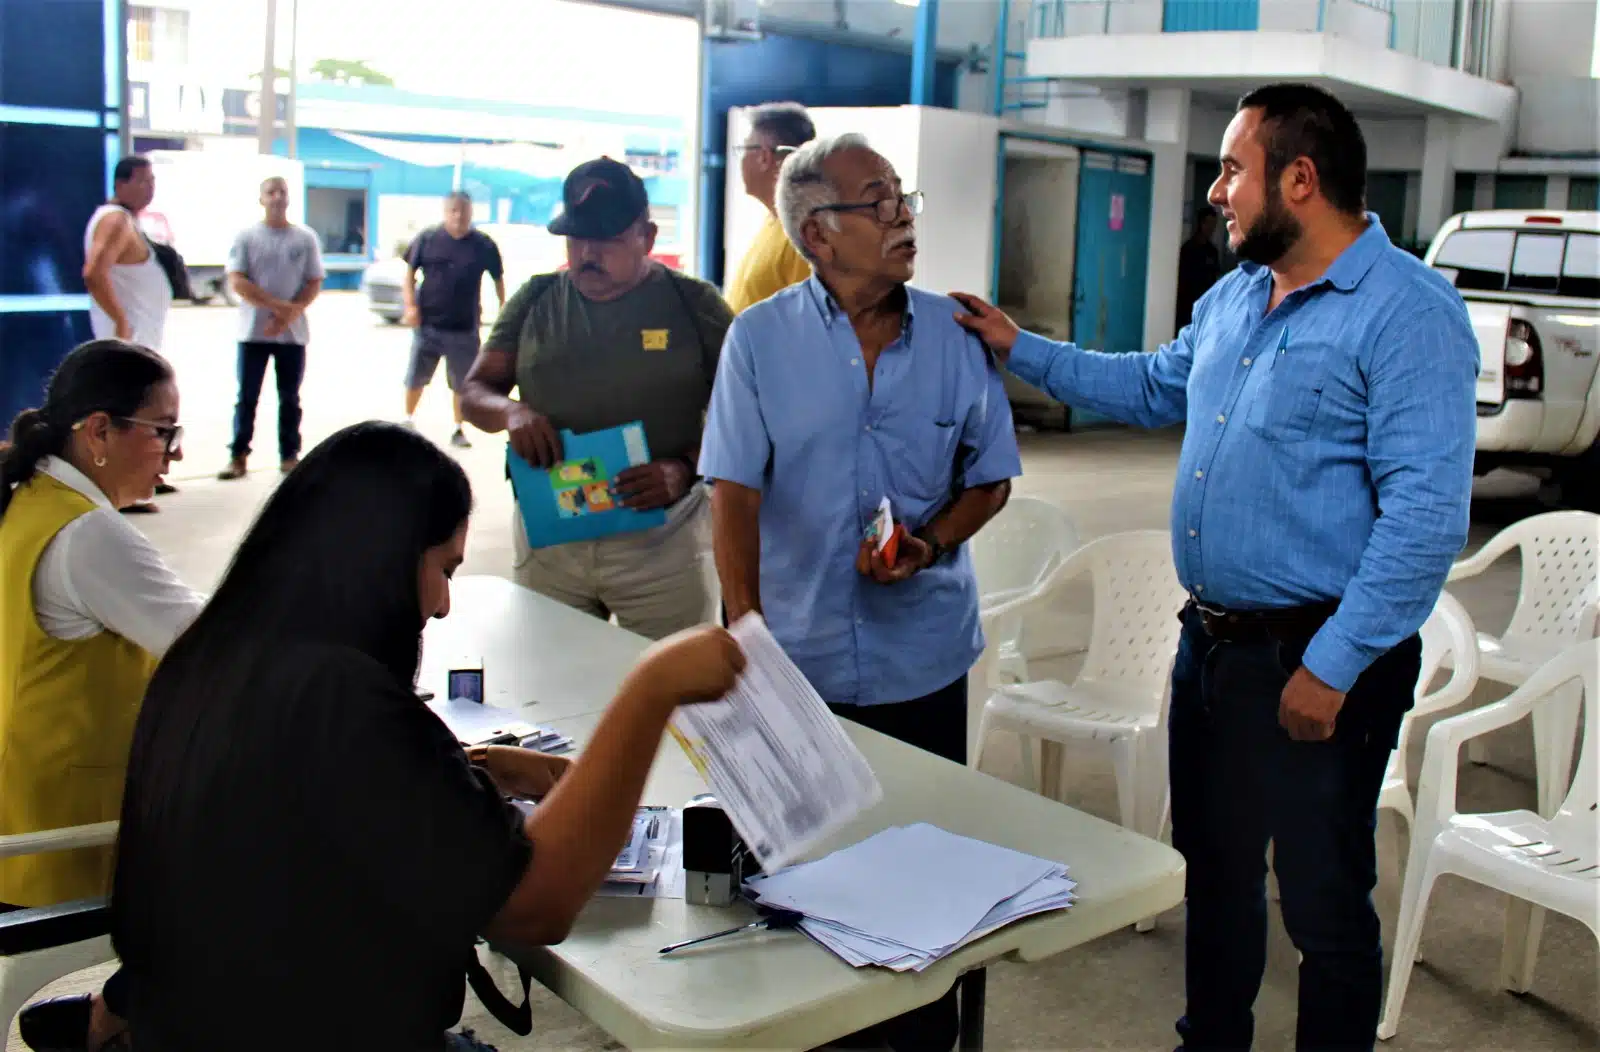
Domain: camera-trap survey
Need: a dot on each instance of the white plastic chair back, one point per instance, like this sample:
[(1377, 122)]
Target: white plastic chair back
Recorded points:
[(1449, 639), (1539, 863), (1560, 577), (1011, 556), (1019, 547), (1137, 600)]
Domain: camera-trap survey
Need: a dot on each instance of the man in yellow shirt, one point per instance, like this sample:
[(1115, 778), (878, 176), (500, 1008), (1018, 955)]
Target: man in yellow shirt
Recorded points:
[(772, 264)]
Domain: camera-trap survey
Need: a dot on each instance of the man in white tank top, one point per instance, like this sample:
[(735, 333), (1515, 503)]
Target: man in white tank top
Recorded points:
[(129, 294)]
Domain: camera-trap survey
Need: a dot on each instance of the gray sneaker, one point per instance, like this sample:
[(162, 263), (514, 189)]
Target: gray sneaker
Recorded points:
[(459, 440)]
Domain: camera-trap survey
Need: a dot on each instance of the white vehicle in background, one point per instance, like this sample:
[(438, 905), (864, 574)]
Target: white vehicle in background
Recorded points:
[(204, 198), (1531, 281), (526, 249)]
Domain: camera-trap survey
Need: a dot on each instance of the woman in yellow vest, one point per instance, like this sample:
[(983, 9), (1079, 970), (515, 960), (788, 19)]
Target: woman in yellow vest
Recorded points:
[(86, 605)]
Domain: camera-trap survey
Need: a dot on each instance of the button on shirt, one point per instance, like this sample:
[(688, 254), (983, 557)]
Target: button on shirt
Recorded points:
[(1329, 444), (792, 415)]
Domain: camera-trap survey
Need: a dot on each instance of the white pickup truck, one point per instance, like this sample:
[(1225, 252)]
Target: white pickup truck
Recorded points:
[(1531, 281)]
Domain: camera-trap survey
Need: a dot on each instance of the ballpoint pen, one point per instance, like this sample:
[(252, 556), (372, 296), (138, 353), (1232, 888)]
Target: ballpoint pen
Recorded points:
[(776, 920)]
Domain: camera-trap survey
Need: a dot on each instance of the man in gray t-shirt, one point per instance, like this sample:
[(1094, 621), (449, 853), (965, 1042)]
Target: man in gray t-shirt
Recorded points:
[(276, 269)]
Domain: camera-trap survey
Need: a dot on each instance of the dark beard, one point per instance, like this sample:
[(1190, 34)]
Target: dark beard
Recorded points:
[(1272, 235)]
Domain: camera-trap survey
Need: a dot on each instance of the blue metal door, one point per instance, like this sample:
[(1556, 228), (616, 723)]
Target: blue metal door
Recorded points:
[(1090, 312), (1199, 16), (1113, 248), (1130, 198)]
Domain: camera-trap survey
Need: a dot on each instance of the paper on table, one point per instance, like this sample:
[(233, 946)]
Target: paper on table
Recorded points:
[(907, 896), (775, 757), (473, 722)]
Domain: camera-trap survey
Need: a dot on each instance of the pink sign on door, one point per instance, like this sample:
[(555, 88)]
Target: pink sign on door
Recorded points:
[(1118, 209)]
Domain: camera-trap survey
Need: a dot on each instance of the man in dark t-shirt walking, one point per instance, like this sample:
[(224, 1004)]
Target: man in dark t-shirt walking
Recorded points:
[(445, 311)]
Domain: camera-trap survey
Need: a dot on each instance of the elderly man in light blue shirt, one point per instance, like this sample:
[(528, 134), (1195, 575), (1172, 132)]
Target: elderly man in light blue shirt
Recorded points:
[(831, 395), (1323, 491)]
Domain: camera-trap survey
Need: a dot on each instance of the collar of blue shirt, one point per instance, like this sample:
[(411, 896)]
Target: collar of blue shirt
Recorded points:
[(829, 307), (1351, 266)]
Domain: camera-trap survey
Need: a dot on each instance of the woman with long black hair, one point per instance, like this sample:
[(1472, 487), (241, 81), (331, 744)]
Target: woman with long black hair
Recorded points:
[(307, 856)]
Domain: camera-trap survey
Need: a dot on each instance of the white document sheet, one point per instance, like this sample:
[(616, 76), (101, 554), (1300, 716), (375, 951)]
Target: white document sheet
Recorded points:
[(776, 759)]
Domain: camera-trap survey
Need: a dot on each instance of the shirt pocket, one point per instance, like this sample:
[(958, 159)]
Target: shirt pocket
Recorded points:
[(1285, 405), (928, 458)]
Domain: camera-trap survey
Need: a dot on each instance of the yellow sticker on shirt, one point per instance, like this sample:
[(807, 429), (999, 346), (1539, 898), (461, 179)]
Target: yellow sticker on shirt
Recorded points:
[(654, 339)]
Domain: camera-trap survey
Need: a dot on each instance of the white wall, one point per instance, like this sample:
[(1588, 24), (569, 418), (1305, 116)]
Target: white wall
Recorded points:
[(1558, 115), (947, 154), (1550, 38)]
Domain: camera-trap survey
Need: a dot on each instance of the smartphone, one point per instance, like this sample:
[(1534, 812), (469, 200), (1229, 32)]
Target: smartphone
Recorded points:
[(466, 683)]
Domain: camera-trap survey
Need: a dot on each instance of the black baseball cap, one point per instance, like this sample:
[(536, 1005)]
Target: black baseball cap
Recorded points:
[(600, 199)]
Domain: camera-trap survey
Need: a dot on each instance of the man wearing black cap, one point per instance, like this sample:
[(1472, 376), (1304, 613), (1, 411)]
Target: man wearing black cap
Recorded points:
[(613, 338)]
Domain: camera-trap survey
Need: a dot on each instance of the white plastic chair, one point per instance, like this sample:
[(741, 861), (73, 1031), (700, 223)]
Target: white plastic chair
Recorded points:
[(1011, 556), (1558, 604), (1448, 640), (1119, 697), (25, 972), (1541, 863)]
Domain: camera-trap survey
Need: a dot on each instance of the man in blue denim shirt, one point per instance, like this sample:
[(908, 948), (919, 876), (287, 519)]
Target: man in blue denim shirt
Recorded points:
[(1323, 491), (831, 395)]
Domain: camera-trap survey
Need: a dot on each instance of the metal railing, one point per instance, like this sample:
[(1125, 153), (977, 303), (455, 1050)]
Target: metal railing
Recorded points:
[(1453, 33)]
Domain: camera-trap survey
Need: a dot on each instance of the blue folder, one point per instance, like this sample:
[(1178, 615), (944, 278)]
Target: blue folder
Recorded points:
[(575, 500)]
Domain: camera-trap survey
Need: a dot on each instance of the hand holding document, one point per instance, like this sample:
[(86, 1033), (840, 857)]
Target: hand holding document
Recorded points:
[(777, 760)]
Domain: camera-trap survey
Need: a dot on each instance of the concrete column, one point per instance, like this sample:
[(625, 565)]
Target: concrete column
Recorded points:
[(1438, 177), (1483, 192), (1555, 191), (1166, 128)]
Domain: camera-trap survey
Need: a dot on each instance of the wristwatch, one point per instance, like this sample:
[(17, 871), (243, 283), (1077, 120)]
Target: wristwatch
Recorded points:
[(936, 550)]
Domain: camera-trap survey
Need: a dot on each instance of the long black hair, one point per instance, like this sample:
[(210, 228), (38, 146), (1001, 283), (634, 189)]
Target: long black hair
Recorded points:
[(101, 376), (334, 555), (333, 559)]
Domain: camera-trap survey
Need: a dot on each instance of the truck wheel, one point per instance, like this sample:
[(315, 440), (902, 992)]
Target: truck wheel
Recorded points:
[(1580, 480)]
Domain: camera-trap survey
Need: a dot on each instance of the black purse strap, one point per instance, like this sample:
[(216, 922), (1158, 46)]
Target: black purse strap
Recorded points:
[(515, 1018)]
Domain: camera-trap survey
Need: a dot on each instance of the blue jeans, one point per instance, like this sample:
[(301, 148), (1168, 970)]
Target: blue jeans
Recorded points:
[(1238, 782), (289, 360), (465, 1041)]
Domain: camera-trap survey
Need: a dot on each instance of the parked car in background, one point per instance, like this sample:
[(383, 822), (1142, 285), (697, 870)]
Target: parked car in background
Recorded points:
[(1531, 281), (526, 249)]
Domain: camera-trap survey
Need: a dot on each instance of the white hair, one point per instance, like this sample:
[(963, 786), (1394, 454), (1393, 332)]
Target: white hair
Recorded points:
[(803, 188)]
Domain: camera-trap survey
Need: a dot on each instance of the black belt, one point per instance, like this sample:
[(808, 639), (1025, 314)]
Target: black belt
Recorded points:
[(1281, 623)]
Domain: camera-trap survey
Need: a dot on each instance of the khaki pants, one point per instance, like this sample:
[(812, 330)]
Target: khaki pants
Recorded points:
[(656, 581)]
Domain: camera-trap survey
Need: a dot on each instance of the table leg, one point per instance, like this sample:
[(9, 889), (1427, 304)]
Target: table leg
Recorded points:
[(974, 987)]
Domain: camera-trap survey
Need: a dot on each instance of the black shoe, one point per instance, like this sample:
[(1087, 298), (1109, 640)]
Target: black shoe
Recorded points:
[(143, 507), (163, 488), (60, 1024)]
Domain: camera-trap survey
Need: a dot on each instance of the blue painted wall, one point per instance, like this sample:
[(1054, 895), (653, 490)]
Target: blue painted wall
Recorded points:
[(779, 68), (66, 112), (1198, 16), (332, 161)]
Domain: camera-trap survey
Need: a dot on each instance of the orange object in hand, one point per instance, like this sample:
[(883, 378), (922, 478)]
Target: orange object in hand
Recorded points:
[(892, 546)]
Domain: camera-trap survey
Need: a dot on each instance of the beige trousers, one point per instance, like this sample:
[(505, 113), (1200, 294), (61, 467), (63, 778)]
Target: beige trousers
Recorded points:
[(656, 582)]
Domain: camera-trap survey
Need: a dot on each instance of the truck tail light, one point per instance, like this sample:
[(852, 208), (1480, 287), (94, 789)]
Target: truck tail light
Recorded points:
[(1524, 361)]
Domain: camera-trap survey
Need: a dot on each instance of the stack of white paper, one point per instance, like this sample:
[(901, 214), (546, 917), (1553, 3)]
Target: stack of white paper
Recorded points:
[(907, 896), (474, 723)]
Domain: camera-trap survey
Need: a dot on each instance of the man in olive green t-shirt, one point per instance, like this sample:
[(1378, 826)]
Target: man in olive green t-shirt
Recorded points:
[(616, 337)]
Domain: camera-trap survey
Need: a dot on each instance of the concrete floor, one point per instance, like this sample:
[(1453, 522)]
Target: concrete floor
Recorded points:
[(1122, 992)]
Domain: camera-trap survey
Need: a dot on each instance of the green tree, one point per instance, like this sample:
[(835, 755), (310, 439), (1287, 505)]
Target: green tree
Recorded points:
[(350, 71)]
